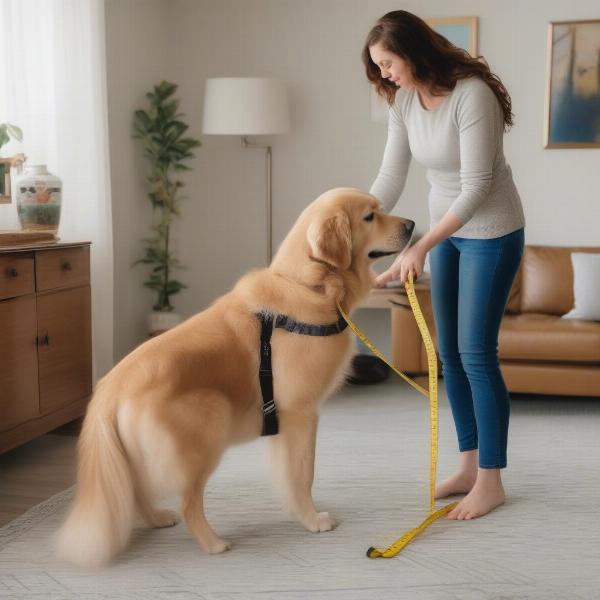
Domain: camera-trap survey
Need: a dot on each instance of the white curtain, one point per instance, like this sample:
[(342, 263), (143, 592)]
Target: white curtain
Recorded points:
[(53, 86)]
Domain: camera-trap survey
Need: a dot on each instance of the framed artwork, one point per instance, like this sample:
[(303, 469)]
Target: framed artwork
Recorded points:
[(6, 164), (461, 31), (5, 191), (572, 118)]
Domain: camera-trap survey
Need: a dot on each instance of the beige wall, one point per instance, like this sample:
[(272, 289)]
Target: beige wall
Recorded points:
[(315, 47), (136, 44)]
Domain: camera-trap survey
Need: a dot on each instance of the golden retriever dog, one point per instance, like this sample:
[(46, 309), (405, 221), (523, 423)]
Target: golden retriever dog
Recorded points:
[(159, 422)]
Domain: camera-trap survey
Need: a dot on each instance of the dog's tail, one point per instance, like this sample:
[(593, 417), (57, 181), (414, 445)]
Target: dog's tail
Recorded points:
[(101, 518)]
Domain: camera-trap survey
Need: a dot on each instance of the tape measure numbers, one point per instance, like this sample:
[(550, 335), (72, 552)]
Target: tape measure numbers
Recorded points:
[(432, 394)]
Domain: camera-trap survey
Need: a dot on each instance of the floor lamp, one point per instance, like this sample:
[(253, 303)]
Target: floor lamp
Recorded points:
[(247, 106)]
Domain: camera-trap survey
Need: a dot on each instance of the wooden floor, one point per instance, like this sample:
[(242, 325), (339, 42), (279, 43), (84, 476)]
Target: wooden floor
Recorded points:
[(37, 470)]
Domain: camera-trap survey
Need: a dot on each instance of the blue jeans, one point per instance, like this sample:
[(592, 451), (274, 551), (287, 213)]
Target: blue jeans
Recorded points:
[(470, 284)]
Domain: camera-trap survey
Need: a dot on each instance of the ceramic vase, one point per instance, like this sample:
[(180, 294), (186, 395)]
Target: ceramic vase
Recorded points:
[(39, 199)]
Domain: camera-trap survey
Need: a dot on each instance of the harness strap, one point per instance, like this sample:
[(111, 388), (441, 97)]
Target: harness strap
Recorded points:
[(265, 374), (284, 322)]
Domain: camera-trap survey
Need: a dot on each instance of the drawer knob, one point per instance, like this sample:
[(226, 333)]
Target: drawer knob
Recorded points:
[(66, 266), (13, 272), (43, 340)]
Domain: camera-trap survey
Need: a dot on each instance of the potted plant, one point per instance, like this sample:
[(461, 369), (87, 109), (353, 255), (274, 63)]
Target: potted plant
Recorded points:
[(162, 130)]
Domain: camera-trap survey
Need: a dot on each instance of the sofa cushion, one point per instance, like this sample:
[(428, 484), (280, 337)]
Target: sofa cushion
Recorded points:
[(586, 287), (531, 336), (547, 279)]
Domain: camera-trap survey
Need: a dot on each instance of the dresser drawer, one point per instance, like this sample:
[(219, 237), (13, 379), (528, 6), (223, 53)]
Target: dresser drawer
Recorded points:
[(16, 275), (62, 268)]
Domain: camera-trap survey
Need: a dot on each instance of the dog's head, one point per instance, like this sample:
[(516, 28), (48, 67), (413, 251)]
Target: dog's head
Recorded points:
[(336, 240), (348, 230)]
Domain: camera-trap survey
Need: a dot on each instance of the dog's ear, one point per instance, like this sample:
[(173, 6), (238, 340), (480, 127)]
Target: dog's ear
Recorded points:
[(330, 240)]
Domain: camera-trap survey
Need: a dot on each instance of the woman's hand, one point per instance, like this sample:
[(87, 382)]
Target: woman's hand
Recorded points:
[(412, 259)]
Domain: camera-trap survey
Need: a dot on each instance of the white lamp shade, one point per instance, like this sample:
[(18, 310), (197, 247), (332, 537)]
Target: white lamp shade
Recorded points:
[(245, 106)]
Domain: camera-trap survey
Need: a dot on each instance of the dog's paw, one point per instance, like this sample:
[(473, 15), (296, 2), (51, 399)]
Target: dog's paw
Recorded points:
[(165, 518), (219, 546), (323, 521)]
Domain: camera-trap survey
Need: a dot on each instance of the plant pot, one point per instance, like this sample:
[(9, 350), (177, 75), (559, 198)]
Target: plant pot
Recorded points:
[(159, 322)]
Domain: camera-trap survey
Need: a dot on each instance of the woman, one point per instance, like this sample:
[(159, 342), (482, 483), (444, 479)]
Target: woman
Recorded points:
[(449, 112)]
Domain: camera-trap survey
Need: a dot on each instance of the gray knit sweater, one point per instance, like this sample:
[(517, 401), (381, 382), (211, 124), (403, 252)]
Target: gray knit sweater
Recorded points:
[(460, 143)]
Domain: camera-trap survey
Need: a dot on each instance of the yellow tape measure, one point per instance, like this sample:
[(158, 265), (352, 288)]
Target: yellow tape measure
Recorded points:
[(433, 515)]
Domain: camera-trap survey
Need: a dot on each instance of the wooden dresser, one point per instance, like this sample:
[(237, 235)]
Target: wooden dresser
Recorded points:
[(45, 338)]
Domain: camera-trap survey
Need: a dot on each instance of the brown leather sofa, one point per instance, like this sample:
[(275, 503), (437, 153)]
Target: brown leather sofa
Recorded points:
[(539, 352)]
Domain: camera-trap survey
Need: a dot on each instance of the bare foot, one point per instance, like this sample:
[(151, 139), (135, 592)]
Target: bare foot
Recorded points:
[(460, 483), (463, 480), (487, 494)]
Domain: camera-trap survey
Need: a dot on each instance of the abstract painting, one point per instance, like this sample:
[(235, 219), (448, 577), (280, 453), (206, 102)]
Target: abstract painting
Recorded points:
[(573, 85)]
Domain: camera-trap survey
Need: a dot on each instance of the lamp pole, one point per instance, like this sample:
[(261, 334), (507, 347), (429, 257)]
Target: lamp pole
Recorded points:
[(247, 144), (248, 106)]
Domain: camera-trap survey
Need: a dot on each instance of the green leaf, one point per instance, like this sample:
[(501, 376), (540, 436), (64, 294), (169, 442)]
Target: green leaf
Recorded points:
[(174, 286), (4, 137), (168, 110), (176, 127), (192, 142), (142, 120), (165, 89), (15, 132), (142, 260)]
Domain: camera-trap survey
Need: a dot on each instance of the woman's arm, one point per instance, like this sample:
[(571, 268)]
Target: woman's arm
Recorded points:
[(390, 181), (448, 225), (413, 259), (480, 129)]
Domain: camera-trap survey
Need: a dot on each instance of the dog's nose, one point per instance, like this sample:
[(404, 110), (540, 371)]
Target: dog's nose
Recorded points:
[(409, 226)]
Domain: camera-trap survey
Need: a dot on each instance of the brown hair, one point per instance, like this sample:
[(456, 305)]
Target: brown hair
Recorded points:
[(433, 60)]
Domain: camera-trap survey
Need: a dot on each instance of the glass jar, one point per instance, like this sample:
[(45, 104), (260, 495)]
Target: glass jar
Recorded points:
[(39, 198)]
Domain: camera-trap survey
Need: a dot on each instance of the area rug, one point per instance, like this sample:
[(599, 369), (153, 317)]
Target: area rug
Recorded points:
[(372, 474)]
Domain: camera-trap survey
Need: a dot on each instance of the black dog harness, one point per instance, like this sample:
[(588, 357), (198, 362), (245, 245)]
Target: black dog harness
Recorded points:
[(265, 374)]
